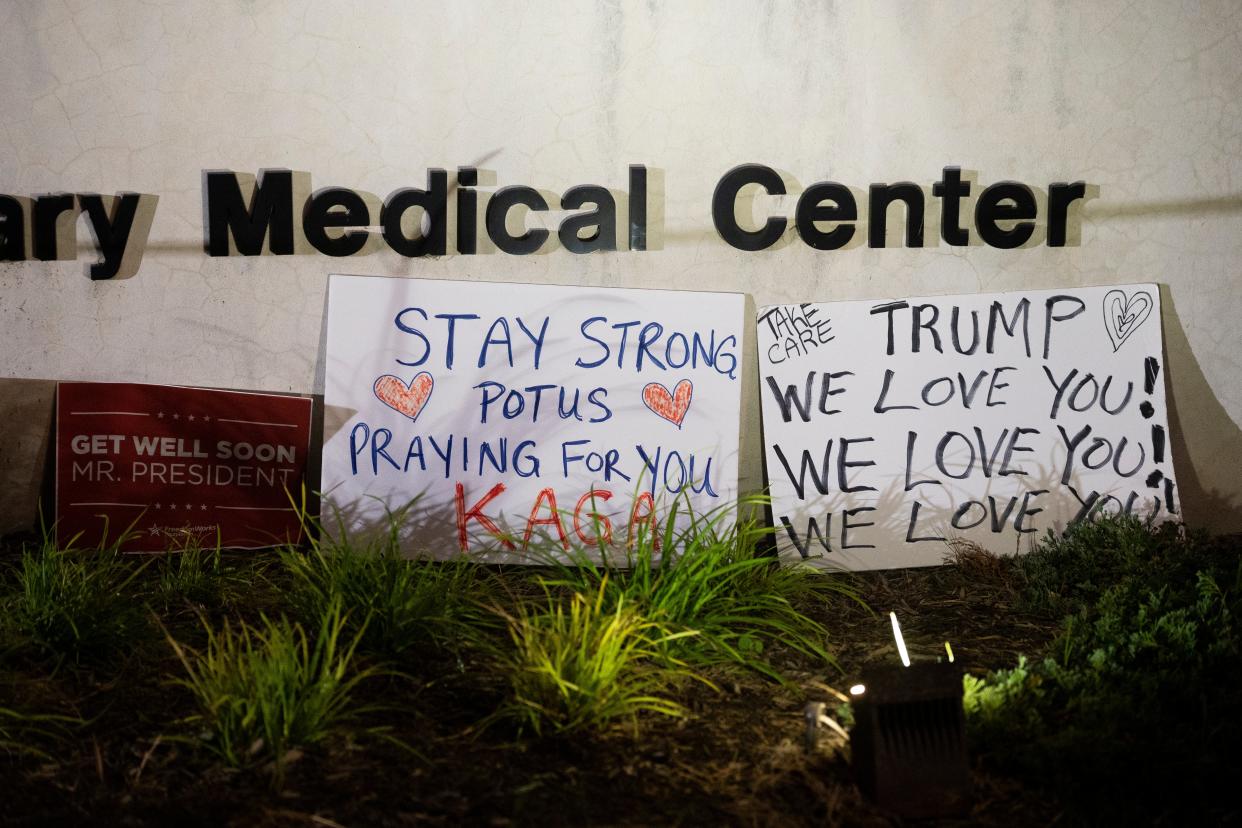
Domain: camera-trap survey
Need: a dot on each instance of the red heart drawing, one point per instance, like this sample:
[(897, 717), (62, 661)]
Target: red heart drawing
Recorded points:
[(407, 399), (671, 406)]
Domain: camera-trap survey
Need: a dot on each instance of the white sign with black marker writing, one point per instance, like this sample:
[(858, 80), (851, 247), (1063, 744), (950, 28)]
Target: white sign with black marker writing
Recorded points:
[(893, 427)]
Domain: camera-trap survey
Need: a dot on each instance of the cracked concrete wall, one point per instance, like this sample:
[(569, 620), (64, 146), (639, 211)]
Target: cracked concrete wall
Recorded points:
[(1142, 99)]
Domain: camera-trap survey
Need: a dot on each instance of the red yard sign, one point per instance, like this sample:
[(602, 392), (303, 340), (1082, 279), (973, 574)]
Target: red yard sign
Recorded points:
[(178, 464)]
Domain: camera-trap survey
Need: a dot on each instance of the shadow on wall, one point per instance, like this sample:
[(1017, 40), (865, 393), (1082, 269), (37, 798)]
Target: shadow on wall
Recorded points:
[(1201, 432), (47, 228), (1198, 207), (26, 479)]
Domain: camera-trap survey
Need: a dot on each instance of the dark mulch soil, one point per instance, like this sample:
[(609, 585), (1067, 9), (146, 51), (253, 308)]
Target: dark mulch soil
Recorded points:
[(738, 759)]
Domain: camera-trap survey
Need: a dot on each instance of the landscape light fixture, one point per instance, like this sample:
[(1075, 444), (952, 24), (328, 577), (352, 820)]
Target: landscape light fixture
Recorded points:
[(908, 744)]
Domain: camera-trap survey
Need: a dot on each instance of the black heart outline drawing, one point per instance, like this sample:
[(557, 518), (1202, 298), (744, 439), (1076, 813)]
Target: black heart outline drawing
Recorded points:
[(1123, 314)]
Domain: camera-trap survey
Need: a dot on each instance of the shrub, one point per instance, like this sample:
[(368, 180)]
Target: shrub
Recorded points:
[(1136, 700), (263, 691), (1072, 569), (588, 666)]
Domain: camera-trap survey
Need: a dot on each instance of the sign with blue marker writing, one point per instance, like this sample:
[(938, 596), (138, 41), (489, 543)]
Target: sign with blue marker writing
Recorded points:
[(893, 428), (513, 422)]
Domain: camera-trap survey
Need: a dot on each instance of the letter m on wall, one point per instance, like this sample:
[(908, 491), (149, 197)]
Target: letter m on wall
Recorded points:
[(269, 214)]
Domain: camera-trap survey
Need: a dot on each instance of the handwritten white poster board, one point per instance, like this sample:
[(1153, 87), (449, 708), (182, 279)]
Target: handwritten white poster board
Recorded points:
[(508, 420), (892, 427)]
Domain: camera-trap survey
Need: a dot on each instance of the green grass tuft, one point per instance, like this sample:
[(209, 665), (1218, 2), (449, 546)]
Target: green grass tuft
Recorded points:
[(74, 604), (34, 734), (397, 607), (587, 666), (199, 577), (267, 690), (713, 577)]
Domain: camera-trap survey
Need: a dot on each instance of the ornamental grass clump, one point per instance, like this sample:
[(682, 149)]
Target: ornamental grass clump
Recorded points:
[(264, 691), (74, 604), (198, 576), (710, 574), (396, 606), (587, 664)]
